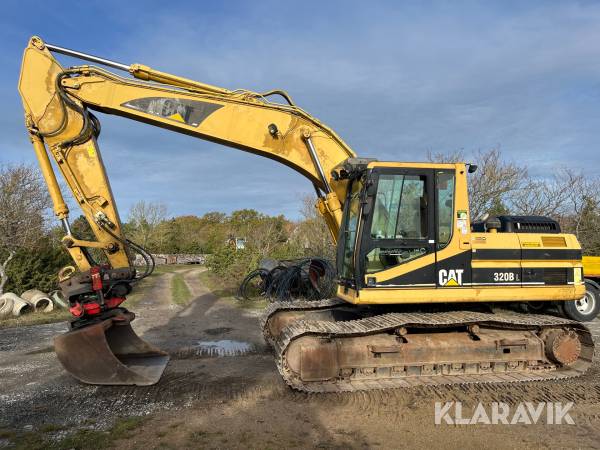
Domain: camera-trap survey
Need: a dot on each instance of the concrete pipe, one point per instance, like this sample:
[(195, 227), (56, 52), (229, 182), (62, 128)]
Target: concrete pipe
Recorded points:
[(58, 299), (6, 307), (39, 300), (20, 306)]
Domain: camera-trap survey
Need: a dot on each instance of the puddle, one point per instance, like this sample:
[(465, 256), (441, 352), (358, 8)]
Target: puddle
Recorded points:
[(224, 347)]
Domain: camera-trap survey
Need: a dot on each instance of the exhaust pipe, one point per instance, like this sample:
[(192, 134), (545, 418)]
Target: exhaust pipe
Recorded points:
[(39, 300), (20, 306), (6, 306)]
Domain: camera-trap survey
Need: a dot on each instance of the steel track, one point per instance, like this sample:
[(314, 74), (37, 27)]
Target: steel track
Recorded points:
[(388, 322)]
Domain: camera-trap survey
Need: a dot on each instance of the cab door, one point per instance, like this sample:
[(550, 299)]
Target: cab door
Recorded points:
[(397, 239)]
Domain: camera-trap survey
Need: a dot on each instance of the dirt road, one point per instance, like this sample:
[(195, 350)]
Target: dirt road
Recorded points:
[(221, 390)]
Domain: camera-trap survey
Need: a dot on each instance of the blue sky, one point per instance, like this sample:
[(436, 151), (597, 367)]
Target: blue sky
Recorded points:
[(394, 79)]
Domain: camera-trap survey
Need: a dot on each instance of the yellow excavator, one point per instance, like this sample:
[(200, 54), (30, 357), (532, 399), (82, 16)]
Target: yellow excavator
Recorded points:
[(425, 296)]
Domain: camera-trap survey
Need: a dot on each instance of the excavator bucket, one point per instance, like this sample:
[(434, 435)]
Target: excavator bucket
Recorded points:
[(109, 352)]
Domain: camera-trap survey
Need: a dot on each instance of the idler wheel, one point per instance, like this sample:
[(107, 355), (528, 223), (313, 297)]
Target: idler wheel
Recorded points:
[(562, 346)]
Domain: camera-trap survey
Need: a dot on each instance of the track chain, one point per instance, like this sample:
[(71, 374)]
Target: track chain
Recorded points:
[(297, 305), (388, 322)]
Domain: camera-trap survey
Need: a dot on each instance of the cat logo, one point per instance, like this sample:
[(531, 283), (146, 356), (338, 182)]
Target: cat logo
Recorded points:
[(451, 277), (177, 117)]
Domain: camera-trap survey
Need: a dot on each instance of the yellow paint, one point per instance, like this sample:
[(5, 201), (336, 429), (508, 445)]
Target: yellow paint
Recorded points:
[(177, 117), (591, 266), (374, 296), (554, 241), (242, 122)]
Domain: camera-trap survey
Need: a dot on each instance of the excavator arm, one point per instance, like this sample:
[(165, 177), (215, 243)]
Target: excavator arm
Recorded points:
[(57, 103)]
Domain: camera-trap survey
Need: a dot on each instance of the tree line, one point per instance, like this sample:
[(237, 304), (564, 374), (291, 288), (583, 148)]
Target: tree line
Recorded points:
[(500, 186), (215, 234), (31, 254)]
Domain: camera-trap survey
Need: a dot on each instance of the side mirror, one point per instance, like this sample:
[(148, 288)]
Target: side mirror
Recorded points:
[(472, 168), (367, 207), (371, 188)]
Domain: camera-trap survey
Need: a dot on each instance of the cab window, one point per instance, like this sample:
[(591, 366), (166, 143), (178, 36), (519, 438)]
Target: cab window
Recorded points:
[(399, 214), (350, 228), (400, 208), (445, 206)]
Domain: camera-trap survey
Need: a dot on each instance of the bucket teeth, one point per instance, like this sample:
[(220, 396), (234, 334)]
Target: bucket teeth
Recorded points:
[(109, 352)]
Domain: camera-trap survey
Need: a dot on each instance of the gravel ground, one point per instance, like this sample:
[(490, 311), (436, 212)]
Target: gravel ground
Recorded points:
[(221, 390)]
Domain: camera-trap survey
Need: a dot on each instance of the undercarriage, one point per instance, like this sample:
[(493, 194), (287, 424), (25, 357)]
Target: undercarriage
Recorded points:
[(329, 346)]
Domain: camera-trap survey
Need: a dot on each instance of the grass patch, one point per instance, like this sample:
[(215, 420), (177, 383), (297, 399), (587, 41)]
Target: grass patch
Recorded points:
[(217, 285), (84, 439), (169, 268), (50, 428), (79, 440), (141, 288), (228, 291), (180, 292), (122, 428), (252, 303), (7, 434), (139, 291), (36, 318), (203, 437)]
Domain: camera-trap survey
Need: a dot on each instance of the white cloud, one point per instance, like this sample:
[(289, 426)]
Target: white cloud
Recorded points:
[(393, 81)]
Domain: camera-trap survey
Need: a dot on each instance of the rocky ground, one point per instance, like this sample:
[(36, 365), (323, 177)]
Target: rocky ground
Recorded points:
[(221, 390)]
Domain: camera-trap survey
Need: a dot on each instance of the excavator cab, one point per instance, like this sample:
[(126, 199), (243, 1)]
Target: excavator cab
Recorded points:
[(397, 218), (406, 237)]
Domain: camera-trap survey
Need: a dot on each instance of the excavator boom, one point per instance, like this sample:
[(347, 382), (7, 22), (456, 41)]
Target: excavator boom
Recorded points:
[(57, 103)]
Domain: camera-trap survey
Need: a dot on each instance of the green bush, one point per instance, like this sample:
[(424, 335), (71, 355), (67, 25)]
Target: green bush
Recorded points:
[(231, 264), (36, 268)]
